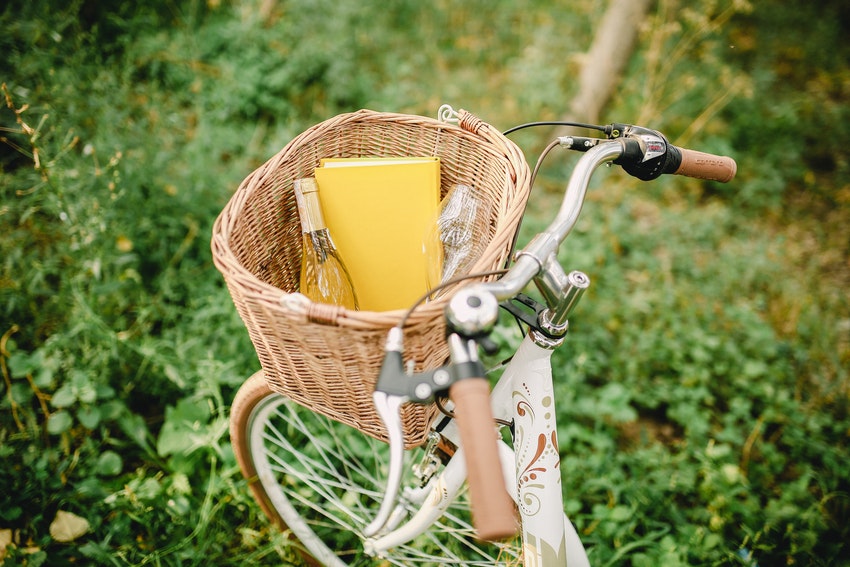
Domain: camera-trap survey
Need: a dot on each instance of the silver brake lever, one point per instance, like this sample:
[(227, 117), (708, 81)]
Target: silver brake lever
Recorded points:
[(389, 410)]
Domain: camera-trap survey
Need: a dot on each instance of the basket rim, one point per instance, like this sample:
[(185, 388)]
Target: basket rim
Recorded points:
[(470, 127)]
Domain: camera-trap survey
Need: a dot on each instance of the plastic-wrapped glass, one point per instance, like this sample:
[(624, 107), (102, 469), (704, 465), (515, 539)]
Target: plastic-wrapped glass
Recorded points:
[(459, 211)]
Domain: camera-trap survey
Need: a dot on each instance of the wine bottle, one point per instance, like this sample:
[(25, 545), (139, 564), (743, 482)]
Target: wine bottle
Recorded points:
[(324, 277)]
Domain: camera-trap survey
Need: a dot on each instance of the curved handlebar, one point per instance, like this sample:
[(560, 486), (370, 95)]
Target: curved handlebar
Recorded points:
[(531, 259), (492, 508), (643, 153)]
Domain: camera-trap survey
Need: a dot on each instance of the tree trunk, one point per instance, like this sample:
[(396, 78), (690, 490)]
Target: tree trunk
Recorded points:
[(608, 55)]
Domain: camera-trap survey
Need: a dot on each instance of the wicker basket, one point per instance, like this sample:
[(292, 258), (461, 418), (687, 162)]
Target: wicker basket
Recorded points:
[(328, 358)]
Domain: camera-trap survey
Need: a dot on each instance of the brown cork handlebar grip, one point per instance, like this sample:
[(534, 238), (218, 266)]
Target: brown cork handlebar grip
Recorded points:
[(706, 166), (492, 508)]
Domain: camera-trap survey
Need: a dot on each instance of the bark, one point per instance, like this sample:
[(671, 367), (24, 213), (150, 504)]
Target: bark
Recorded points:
[(608, 55)]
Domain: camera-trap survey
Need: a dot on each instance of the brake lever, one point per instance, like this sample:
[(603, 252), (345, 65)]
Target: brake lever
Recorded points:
[(388, 407), (394, 388)]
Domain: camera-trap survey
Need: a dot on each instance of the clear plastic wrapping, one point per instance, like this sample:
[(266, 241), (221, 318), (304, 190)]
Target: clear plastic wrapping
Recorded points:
[(460, 212)]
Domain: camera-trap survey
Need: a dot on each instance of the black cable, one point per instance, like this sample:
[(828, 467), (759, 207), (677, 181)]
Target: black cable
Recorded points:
[(554, 123), (540, 159), (439, 403), (443, 285)]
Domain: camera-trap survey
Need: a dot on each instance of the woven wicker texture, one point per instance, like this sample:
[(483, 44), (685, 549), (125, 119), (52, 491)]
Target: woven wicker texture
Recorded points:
[(328, 358)]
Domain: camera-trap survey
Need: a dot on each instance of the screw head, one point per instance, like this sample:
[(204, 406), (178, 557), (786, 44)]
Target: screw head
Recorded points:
[(441, 377), (422, 391)]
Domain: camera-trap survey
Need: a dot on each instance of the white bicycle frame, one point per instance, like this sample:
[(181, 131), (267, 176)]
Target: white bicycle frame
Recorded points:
[(524, 394)]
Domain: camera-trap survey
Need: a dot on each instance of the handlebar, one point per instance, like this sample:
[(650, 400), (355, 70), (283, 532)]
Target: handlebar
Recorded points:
[(648, 154), (643, 153)]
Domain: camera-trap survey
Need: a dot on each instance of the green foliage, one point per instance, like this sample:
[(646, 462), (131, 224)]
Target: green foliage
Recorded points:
[(112, 311), (705, 387), (803, 72)]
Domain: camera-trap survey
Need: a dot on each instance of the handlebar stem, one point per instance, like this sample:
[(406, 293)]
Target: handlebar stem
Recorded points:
[(539, 256), (572, 287), (534, 257), (551, 281)]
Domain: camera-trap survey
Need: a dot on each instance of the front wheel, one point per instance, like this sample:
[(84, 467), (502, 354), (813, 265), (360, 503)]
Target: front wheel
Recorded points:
[(323, 482)]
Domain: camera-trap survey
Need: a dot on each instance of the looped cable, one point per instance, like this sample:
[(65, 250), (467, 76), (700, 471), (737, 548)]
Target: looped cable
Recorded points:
[(447, 114)]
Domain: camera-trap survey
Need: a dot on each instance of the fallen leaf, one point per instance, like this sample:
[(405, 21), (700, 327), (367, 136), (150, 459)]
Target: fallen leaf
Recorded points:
[(68, 526), (5, 540)]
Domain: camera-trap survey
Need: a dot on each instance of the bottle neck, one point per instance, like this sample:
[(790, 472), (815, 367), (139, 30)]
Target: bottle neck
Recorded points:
[(309, 209)]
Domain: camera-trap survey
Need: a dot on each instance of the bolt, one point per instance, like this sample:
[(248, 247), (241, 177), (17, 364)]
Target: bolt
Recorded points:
[(422, 391), (441, 377)]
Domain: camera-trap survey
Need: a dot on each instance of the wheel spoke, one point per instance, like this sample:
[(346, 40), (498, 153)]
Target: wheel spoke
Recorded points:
[(325, 488), (332, 456)]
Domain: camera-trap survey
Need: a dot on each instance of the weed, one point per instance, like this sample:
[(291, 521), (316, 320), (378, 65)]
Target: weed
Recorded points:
[(704, 387)]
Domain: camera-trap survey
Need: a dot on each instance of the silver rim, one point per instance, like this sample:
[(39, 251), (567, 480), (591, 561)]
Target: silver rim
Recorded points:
[(324, 479)]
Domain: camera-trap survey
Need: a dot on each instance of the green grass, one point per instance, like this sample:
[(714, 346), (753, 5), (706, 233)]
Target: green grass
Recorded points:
[(704, 387)]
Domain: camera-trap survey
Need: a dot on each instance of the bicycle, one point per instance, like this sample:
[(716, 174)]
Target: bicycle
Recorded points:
[(323, 480)]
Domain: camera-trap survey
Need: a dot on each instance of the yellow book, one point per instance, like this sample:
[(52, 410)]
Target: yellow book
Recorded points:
[(379, 211)]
